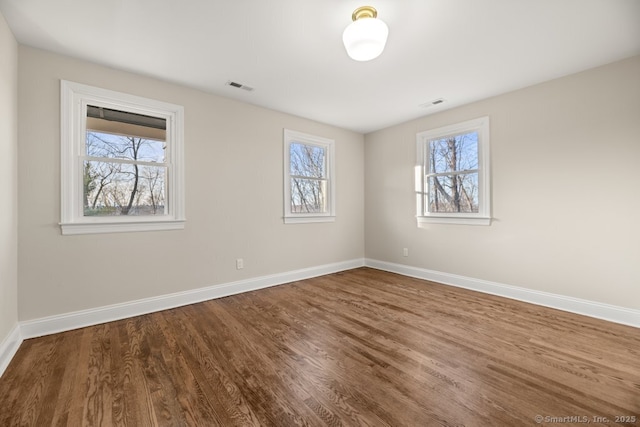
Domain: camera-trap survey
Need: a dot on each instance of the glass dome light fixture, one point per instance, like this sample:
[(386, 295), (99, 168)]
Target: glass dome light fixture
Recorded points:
[(366, 36)]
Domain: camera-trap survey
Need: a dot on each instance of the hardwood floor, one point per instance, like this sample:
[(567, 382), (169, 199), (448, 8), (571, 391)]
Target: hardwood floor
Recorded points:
[(362, 347)]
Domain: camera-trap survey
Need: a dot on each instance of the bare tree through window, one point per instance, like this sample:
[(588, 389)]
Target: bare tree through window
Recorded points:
[(123, 175), (122, 162), (308, 178), (452, 174)]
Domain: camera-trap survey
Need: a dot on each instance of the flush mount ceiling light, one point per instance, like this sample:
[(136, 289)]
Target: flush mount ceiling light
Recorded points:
[(366, 36)]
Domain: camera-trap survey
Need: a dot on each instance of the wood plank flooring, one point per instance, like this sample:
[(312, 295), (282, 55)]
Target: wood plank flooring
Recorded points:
[(362, 347)]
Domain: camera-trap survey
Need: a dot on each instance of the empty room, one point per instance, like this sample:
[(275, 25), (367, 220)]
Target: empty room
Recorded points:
[(340, 213)]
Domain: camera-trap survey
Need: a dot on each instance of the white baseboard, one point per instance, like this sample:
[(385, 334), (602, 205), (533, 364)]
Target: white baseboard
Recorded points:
[(80, 319), (625, 316), (9, 347)]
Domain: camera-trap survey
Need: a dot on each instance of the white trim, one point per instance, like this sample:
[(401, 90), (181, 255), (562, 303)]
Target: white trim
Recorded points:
[(612, 313), (120, 227), (79, 319), (483, 217), (291, 136), (9, 347), (453, 220), (74, 100), (308, 219)]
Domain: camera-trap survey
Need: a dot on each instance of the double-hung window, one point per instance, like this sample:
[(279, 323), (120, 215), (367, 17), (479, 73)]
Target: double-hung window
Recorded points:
[(121, 162), (309, 183), (452, 174)]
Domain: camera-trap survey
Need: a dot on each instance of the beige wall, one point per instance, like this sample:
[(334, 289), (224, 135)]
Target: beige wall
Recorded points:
[(566, 190), (564, 169), (8, 180), (233, 191)]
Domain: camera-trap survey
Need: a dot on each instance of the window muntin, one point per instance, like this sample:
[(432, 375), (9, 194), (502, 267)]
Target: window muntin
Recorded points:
[(122, 162), (309, 184), (453, 174)]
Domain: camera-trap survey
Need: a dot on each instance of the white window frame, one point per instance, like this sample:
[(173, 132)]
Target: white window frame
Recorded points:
[(483, 216), (292, 136), (74, 100)]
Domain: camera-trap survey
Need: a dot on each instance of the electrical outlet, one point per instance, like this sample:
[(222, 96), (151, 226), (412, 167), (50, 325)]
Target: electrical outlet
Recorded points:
[(239, 264), (405, 252)]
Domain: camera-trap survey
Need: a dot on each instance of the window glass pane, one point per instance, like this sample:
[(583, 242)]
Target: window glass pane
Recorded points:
[(123, 189), (453, 193), (453, 153), (114, 146), (308, 195), (307, 160)]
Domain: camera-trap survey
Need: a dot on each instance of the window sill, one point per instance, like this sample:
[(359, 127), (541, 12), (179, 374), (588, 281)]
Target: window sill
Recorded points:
[(120, 227), (422, 220), (308, 219)]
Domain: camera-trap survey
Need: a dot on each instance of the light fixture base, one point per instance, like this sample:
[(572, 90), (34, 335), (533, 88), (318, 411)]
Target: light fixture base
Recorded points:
[(364, 12)]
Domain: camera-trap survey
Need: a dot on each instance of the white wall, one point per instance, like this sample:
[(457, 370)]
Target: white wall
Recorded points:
[(565, 182), (234, 199), (8, 181)]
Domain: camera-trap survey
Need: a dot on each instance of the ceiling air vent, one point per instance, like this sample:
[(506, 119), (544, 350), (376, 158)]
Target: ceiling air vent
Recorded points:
[(433, 103), (239, 86)]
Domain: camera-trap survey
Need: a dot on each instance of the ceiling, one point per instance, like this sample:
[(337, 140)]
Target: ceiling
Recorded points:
[(291, 52)]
